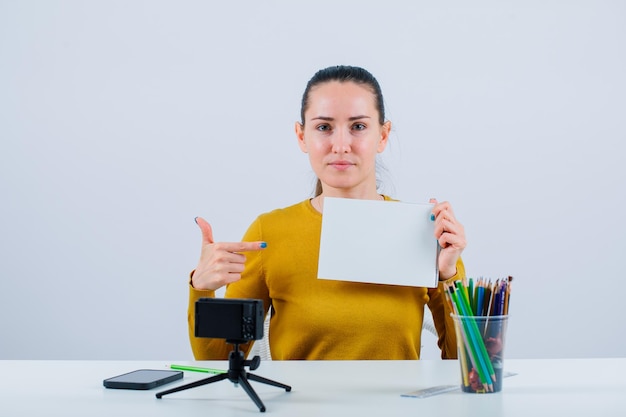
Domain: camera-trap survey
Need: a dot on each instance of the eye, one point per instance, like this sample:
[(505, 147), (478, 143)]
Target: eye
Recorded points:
[(324, 127), (359, 126)]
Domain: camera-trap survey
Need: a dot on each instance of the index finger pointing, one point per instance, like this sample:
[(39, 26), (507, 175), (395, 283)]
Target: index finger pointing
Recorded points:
[(243, 246)]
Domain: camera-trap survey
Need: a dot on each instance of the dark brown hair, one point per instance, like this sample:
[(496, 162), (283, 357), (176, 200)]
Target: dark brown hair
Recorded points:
[(345, 73)]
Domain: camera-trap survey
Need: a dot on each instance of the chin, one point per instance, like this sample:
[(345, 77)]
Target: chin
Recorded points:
[(343, 186)]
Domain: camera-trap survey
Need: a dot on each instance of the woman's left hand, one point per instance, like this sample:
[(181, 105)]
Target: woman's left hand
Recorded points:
[(451, 236)]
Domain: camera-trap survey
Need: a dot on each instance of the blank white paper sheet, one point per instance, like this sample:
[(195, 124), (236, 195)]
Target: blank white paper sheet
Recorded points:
[(380, 242)]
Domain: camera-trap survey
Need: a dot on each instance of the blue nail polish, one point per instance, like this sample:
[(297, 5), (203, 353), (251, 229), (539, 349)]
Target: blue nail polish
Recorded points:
[(432, 217), (195, 219), (263, 245)]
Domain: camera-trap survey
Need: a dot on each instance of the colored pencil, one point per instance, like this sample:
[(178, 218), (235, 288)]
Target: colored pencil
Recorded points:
[(474, 338)]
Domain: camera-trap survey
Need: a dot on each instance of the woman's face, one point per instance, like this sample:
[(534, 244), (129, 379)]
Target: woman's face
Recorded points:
[(342, 136)]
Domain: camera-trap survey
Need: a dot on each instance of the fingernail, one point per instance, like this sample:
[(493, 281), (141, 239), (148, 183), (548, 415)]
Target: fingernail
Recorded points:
[(195, 219), (432, 217), (263, 245)]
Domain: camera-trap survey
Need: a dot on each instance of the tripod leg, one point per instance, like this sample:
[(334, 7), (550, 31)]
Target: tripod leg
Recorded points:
[(268, 381), (251, 393), (193, 384)]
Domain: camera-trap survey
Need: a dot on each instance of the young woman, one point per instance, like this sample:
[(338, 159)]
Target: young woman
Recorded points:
[(342, 129)]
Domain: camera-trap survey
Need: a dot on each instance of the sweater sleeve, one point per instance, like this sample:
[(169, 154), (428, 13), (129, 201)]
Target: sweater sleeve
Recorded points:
[(440, 310)]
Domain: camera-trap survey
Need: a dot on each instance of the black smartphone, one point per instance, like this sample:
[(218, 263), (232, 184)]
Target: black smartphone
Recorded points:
[(143, 379)]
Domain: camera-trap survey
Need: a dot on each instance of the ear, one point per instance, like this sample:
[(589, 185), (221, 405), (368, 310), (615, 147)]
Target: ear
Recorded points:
[(384, 136), (300, 136)]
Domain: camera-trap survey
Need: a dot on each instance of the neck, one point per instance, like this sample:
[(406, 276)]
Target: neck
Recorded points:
[(318, 202), (364, 191)]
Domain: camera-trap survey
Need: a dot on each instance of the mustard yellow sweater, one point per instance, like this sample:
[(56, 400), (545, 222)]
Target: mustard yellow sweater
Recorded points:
[(322, 319)]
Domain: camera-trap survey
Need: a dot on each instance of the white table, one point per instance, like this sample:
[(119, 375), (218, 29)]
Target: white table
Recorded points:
[(563, 387)]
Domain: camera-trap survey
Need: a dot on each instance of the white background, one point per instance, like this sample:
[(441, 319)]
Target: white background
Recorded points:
[(120, 121)]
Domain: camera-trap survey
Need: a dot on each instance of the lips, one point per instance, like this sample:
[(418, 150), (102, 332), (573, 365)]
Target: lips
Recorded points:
[(341, 165)]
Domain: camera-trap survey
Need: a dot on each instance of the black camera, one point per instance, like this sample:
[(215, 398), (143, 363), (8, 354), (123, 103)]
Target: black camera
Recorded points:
[(234, 319)]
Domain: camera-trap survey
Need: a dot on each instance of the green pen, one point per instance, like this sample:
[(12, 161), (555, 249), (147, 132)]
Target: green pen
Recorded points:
[(197, 369)]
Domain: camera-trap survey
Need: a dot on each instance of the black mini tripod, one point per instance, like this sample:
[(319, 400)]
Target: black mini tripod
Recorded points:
[(236, 374)]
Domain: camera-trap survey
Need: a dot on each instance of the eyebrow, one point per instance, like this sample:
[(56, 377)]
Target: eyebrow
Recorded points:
[(329, 119)]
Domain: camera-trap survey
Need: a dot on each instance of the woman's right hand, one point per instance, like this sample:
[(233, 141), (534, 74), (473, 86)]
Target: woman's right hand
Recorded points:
[(220, 263)]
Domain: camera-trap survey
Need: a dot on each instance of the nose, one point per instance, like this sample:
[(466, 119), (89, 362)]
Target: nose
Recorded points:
[(341, 141)]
